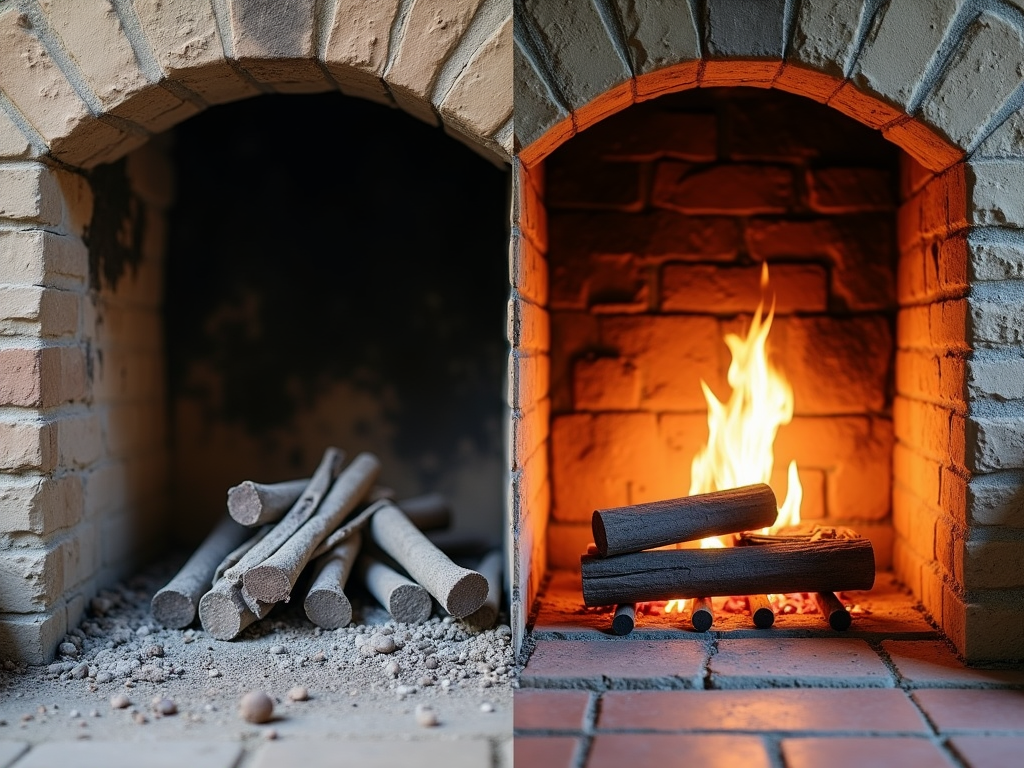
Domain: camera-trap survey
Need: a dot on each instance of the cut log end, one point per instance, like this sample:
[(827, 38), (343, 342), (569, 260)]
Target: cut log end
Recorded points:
[(244, 503), (702, 616), (220, 616), (173, 609), (600, 536), (624, 619), (410, 603), (328, 609), (833, 611), (764, 618), (466, 595), (268, 584)]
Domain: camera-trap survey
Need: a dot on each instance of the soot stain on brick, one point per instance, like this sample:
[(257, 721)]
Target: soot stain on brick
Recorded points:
[(117, 228), (319, 239)]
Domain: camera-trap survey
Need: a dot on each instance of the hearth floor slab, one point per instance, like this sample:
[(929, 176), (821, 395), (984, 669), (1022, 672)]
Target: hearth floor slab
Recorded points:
[(357, 713), (888, 692)]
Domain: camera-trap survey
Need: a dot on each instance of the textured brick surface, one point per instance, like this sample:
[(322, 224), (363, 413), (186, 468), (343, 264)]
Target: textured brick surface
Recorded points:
[(481, 98), (553, 751), (723, 189), (966, 711), (544, 710), (713, 751), (928, 663), (988, 751), (806, 710), (831, 662), (897, 752), (615, 664)]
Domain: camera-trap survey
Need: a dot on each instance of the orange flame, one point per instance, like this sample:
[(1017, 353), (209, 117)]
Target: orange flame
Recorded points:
[(741, 431)]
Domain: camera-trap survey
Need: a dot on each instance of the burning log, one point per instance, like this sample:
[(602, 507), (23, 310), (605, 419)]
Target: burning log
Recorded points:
[(175, 605), (624, 619), (821, 566), (645, 526), (491, 567), (300, 512), (252, 504), (761, 611), (272, 580), (405, 600), (702, 614), (833, 611), (326, 603), (459, 590)]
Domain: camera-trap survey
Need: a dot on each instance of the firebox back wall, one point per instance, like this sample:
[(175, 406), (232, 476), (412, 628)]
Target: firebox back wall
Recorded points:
[(659, 219)]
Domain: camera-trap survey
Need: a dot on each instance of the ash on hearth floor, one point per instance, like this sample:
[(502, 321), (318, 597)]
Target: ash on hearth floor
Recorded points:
[(440, 670), (888, 692)]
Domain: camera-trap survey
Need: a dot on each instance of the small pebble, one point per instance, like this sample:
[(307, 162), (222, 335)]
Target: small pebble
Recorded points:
[(164, 706), (142, 631), (298, 693), (104, 677), (487, 707), (120, 701), (214, 673), (155, 651), (425, 681), (431, 662), (69, 649), (277, 650), (73, 714), (270, 734), (485, 682), (139, 718), (393, 668), (383, 643), (256, 707), (426, 717)]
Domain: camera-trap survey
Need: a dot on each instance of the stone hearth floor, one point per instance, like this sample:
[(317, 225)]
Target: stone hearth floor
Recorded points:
[(355, 716), (888, 692)]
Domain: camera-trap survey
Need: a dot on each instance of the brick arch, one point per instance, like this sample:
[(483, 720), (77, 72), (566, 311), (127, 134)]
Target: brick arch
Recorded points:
[(86, 83), (947, 86)]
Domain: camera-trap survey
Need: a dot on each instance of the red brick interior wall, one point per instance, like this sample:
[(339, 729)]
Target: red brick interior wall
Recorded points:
[(659, 219)]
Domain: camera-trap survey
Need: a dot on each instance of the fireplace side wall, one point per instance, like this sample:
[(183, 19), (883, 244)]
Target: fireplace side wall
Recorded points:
[(83, 432)]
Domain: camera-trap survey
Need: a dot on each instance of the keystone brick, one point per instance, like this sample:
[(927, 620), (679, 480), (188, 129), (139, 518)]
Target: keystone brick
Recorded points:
[(737, 29), (275, 43)]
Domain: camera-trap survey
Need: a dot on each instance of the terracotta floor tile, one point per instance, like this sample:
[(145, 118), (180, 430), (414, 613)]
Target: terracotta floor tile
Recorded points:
[(672, 750), (862, 710), (541, 710), (989, 751), (544, 751), (475, 753), (932, 663), (964, 710), (616, 664), (810, 662), (873, 752)]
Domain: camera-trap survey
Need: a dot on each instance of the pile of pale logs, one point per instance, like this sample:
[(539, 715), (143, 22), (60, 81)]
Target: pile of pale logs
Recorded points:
[(318, 531), (624, 567)]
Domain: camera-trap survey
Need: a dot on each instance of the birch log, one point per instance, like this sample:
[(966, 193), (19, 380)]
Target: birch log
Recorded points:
[(326, 603), (272, 580), (252, 504), (405, 600), (459, 590), (175, 605), (300, 512), (491, 568), (646, 526), (821, 566)]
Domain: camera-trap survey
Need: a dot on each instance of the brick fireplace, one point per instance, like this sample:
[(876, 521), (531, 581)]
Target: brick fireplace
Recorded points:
[(87, 92), (640, 239)]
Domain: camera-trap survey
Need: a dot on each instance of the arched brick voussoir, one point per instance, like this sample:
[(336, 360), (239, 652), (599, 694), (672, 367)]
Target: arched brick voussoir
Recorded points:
[(356, 47), (41, 93), (187, 46)]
